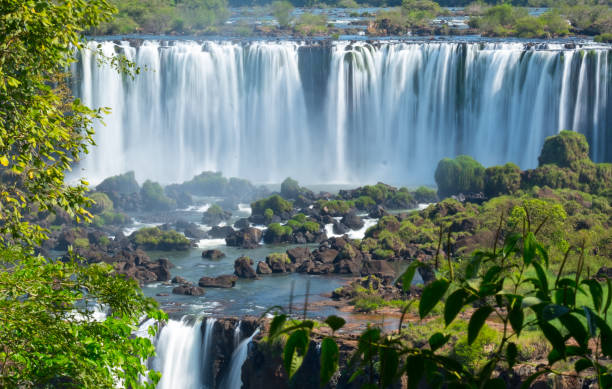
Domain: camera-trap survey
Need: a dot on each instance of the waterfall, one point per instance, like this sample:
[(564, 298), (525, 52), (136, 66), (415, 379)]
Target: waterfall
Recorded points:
[(207, 354), (237, 334), (183, 355), (234, 377), (339, 112)]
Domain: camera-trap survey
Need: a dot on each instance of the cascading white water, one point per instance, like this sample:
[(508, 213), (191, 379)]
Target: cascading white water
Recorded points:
[(347, 112), (207, 355), (237, 334), (183, 356), (234, 377)]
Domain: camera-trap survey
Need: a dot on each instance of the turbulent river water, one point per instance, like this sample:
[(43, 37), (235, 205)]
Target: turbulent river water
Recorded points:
[(339, 112)]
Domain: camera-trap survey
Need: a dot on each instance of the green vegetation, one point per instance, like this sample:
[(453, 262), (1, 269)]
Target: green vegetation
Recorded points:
[(502, 180), (334, 207), (413, 14), (460, 175), (506, 286), (48, 334), (425, 195), (299, 222), (282, 12), (165, 16), (277, 204), (153, 238), (278, 257), (154, 197), (277, 233), (311, 24), (110, 218), (101, 203), (122, 183)]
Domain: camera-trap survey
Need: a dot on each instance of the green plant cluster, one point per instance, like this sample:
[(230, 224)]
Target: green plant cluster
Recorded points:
[(153, 238), (165, 16), (506, 20), (276, 232), (508, 285), (121, 183), (311, 24), (276, 203), (564, 163), (154, 198), (300, 222)]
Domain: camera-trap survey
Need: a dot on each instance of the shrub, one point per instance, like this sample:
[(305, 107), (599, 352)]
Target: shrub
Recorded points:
[(401, 199), (110, 218), (154, 198), (276, 233), (278, 257), (122, 183), (102, 203), (460, 175), (364, 202), (604, 38), (282, 12), (564, 149), (290, 189), (334, 207), (277, 204), (309, 24), (153, 238), (81, 242), (425, 195), (502, 180)]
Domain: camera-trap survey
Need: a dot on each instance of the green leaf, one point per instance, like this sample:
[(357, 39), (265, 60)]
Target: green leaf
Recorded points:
[(437, 340), (276, 325), (495, 383), (529, 249), (553, 311), (414, 370), (596, 293), (454, 304), (329, 360), (492, 274), (389, 361), (541, 277), (335, 322), (575, 329), (432, 294), (516, 317), (294, 352), (511, 354), (606, 336), (530, 302), (408, 275), (591, 324), (582, 364), (477, 321), (554, 337), (609, 299), (510, 243)]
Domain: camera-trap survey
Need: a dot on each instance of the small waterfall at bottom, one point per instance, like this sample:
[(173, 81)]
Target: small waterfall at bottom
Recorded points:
[(183, 354), (234, 377)]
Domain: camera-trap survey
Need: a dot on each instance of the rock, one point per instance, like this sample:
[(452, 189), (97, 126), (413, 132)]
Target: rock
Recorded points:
[(427, 274), (213, 254), (376, 212), (243, 268), (299, 254), (66, 238), (223, 281), (215, 215), (179, 280), (325, 255), (352, 221), (263, 268), (161, 268), (246, 238), (217, 232), (346, 266), (340, 228), (312, 267), (242, 223), (603, 273), (380, 269), (194, 232), (188, 290), (278, 263)]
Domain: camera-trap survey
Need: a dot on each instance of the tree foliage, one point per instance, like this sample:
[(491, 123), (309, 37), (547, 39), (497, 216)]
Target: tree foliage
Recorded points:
[(48, 335)]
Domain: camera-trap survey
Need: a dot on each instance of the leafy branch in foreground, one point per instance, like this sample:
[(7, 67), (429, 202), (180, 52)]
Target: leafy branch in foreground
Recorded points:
[(509, 286)]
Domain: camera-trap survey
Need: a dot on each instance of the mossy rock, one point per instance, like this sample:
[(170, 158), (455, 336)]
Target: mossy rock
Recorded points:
[(122, 183), (154, 198), (424, 194), (102, 203), (504, 179), (460, 175), (564, 149), (276, 203), (154, 238)]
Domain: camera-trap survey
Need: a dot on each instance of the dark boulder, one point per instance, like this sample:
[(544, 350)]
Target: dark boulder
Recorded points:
[(380, 269), (246, 238), (263, 268), (243, 268), (352, 221), (325, 255), (339, 228), (376, 212), (215, 215), (223, 281), (188, 290), (279, 263), (179, 280), (242, 223), (299, 254), (213, 254), (220, 232)]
